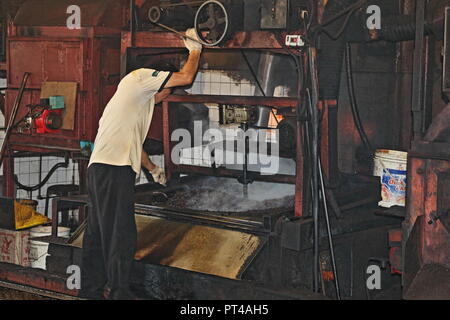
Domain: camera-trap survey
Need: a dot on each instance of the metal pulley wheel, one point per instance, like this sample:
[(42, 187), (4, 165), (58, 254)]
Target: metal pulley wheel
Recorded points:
[(154, 14), (212, 23)]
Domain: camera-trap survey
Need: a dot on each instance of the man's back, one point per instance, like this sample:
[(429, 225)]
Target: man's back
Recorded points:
[(126, 119)]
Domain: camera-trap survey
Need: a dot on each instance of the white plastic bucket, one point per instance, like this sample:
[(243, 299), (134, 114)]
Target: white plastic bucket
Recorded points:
[(38, 250), (390, 166)]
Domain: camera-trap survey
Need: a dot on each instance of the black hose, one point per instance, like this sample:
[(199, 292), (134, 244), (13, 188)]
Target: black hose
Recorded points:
[(64, 164), (353, 102), (401, 28), (333, 11), (332, 47), (343, 27)]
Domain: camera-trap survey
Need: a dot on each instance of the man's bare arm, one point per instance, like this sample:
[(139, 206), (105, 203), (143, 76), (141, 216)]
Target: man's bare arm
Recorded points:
[(146, 162), (187, 74)]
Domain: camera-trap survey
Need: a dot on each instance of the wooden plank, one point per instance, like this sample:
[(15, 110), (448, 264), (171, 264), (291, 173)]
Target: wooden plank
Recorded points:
[(69, 91)]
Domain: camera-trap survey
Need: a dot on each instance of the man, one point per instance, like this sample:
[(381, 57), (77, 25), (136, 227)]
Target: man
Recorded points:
[(110, 238)]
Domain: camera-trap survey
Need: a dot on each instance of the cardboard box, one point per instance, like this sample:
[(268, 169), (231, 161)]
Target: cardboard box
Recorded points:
[(15, 247)]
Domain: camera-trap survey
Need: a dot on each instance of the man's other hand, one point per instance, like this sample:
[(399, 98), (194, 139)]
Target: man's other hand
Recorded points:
[(159, 175), (192, 45)]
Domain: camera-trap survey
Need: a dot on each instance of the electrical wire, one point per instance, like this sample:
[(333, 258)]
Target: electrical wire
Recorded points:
[(343, 27), (352, 7), (304, 119), (353, 102), (312, 10), (313, 33)]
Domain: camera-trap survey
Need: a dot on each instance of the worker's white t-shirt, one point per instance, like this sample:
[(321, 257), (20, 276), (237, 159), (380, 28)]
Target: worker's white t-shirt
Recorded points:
[(126, 119)]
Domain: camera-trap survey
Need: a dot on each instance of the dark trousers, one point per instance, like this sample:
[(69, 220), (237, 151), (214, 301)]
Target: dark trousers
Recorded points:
[(110, 239)]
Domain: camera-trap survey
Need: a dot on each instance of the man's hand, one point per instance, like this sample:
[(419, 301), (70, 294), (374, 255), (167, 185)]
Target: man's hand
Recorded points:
[(159, 175), (187, 74), (192, 45)]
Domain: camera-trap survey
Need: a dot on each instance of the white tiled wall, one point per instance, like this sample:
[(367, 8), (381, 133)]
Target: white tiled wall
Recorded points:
[(219, 83), (27, 171)]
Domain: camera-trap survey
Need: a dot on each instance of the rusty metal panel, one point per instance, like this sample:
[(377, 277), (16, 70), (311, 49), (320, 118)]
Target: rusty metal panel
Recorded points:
[(427, 240), (63, 61), (204, 249), (436, 240), (241, 40), (443, 198), (64, 58), (46, 61), (54, 13), (24, 57)]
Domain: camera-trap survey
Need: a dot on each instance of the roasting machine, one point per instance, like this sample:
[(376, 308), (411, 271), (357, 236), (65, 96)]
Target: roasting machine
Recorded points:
[(241, 229)]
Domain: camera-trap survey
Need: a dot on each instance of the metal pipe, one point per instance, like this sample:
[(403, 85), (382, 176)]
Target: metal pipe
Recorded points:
[(330, 236), (132, 22), (255, 227), (64, 164), (245, 168), (180, 34), (418, 71), (315, 155)]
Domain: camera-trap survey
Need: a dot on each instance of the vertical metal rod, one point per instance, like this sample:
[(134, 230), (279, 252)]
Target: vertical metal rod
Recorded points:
[(418, 71), (429, 71), (132, 22), (168, 164), (330, 236), (40, 176), (315, 154), (245, 166)]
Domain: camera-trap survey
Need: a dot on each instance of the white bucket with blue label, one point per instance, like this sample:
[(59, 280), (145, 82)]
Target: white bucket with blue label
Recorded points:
[(390, 166)]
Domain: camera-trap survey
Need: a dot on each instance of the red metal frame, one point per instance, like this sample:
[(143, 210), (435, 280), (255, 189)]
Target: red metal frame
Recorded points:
[(257, 40), (277, 103), (426, 241), (264, 40), (35, 278), (89, 56)]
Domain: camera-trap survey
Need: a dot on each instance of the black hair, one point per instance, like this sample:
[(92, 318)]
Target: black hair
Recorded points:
[(162, 65)]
